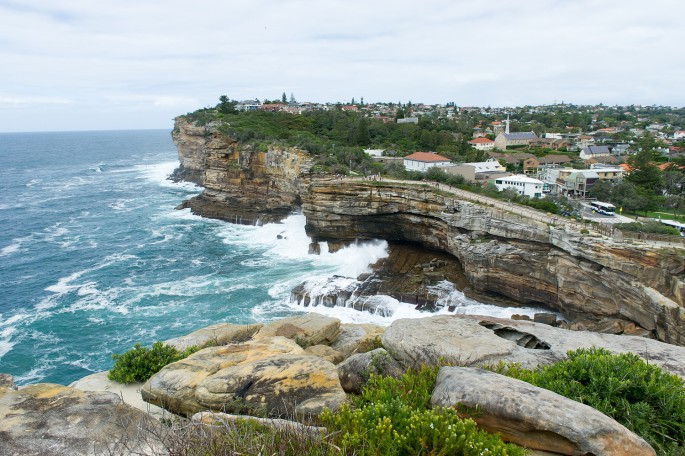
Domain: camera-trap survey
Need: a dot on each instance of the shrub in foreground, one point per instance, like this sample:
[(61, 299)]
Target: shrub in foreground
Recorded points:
[(140, 363), (393, 417), (644, 398)]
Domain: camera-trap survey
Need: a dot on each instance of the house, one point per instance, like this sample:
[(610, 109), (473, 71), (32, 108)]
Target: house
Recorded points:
[(482, 143), (488, 166), (523, 185), (553, 159), (607, 172), (422, 161), (351, 108), (413, 120), (584, 141), (550, 143), (574, 182), (594, 151), (680, 134), (504, 140)]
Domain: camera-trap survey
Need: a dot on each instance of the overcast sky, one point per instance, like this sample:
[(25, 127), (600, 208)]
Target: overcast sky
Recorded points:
[(126, 64)]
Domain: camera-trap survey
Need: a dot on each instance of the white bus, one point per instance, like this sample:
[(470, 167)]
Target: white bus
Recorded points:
[(602, 208)]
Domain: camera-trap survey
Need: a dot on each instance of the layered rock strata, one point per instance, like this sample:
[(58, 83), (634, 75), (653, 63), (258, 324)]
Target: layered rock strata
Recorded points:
[(506, 254), (244, 183), (502, 254)]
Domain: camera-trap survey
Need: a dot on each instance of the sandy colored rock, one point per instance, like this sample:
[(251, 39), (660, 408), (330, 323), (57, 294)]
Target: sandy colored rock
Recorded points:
[(218, 334), (129, 393), (472, 340), (48, 419), (308, 329), (357, 338), (173, 388), (325, 352), (354, 372), (6, 383), (280, 385), (533, 417)]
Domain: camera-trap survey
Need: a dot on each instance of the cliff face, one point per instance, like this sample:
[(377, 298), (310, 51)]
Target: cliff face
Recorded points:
[(243, 183), (505, 254), (501, 253)]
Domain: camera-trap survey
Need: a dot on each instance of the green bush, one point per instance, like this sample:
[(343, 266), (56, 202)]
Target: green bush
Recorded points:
[(393, 417), (641, 396), (140, 363)]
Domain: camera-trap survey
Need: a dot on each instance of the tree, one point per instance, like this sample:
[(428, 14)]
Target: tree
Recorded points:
[(363, 138), (225, 105), (284, 99)]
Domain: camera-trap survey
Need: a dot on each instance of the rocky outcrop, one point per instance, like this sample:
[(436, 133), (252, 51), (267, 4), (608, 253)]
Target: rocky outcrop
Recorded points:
[(533, 417), (472, 340), (271, 375), (308, 329), (244, 183), (502, 253), (49, 419), (510, 255)]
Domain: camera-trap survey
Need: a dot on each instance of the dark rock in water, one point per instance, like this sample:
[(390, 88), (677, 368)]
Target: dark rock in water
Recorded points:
[(520, 317), (314, 248)]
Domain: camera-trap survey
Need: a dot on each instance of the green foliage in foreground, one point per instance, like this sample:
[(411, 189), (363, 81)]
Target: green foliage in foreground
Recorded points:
[(648, 227), (393, 417), (640, 396), (140, 363)]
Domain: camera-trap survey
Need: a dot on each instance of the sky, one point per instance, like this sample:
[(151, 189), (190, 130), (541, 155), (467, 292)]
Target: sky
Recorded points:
[(124, 64)]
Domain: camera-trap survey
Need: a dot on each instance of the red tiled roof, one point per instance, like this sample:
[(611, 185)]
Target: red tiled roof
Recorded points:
[(426, 157), (481, 141)]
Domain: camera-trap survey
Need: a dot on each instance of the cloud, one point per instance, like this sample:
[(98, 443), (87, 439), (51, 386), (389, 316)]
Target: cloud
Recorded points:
[(25, 101), (169, 55)]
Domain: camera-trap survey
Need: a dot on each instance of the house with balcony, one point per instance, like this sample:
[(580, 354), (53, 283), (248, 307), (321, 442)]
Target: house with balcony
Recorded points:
[(523, 185)]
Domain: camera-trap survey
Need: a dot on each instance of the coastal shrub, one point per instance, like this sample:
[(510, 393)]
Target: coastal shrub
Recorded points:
[(140, 363), (641, 396), (648, 227), (393, 416)]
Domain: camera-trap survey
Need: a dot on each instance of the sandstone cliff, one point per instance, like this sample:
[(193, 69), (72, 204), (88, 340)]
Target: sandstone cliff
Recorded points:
[(244, 183), (502, 253)]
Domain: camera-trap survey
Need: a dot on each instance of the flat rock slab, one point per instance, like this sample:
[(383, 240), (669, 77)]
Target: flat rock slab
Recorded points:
[(129, 393), (218, 334), (173, 388), (532, 416), (308, 329), (50, 419), (473, 340)]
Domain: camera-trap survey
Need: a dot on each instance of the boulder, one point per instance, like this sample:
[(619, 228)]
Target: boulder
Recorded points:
[(306, 330), (473, 340), (49, 419), (283, 385), (545, 318), (325, 352), (357, 338), (129, 393), (218, 334), (354, 372), (173, 388), (533, 417)]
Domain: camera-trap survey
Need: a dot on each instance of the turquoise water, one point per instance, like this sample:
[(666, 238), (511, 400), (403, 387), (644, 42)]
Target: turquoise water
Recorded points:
[(94, 257)]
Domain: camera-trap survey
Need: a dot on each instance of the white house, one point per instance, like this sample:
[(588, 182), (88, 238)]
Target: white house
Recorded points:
[(680, 134), (482, 143), (523, 185), (422, 161)]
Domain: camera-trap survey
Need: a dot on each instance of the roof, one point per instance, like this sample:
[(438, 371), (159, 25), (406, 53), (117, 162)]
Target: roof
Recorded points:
[(488, 165), (554, 159), (596, 150), (524, 179), (481, 141), (426, 157), (520, 135)]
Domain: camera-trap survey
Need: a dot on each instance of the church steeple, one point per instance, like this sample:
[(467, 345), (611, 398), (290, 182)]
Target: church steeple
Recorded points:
[(506, 130)]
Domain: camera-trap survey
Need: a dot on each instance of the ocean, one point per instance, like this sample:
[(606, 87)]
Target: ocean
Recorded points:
[(94, 257)]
